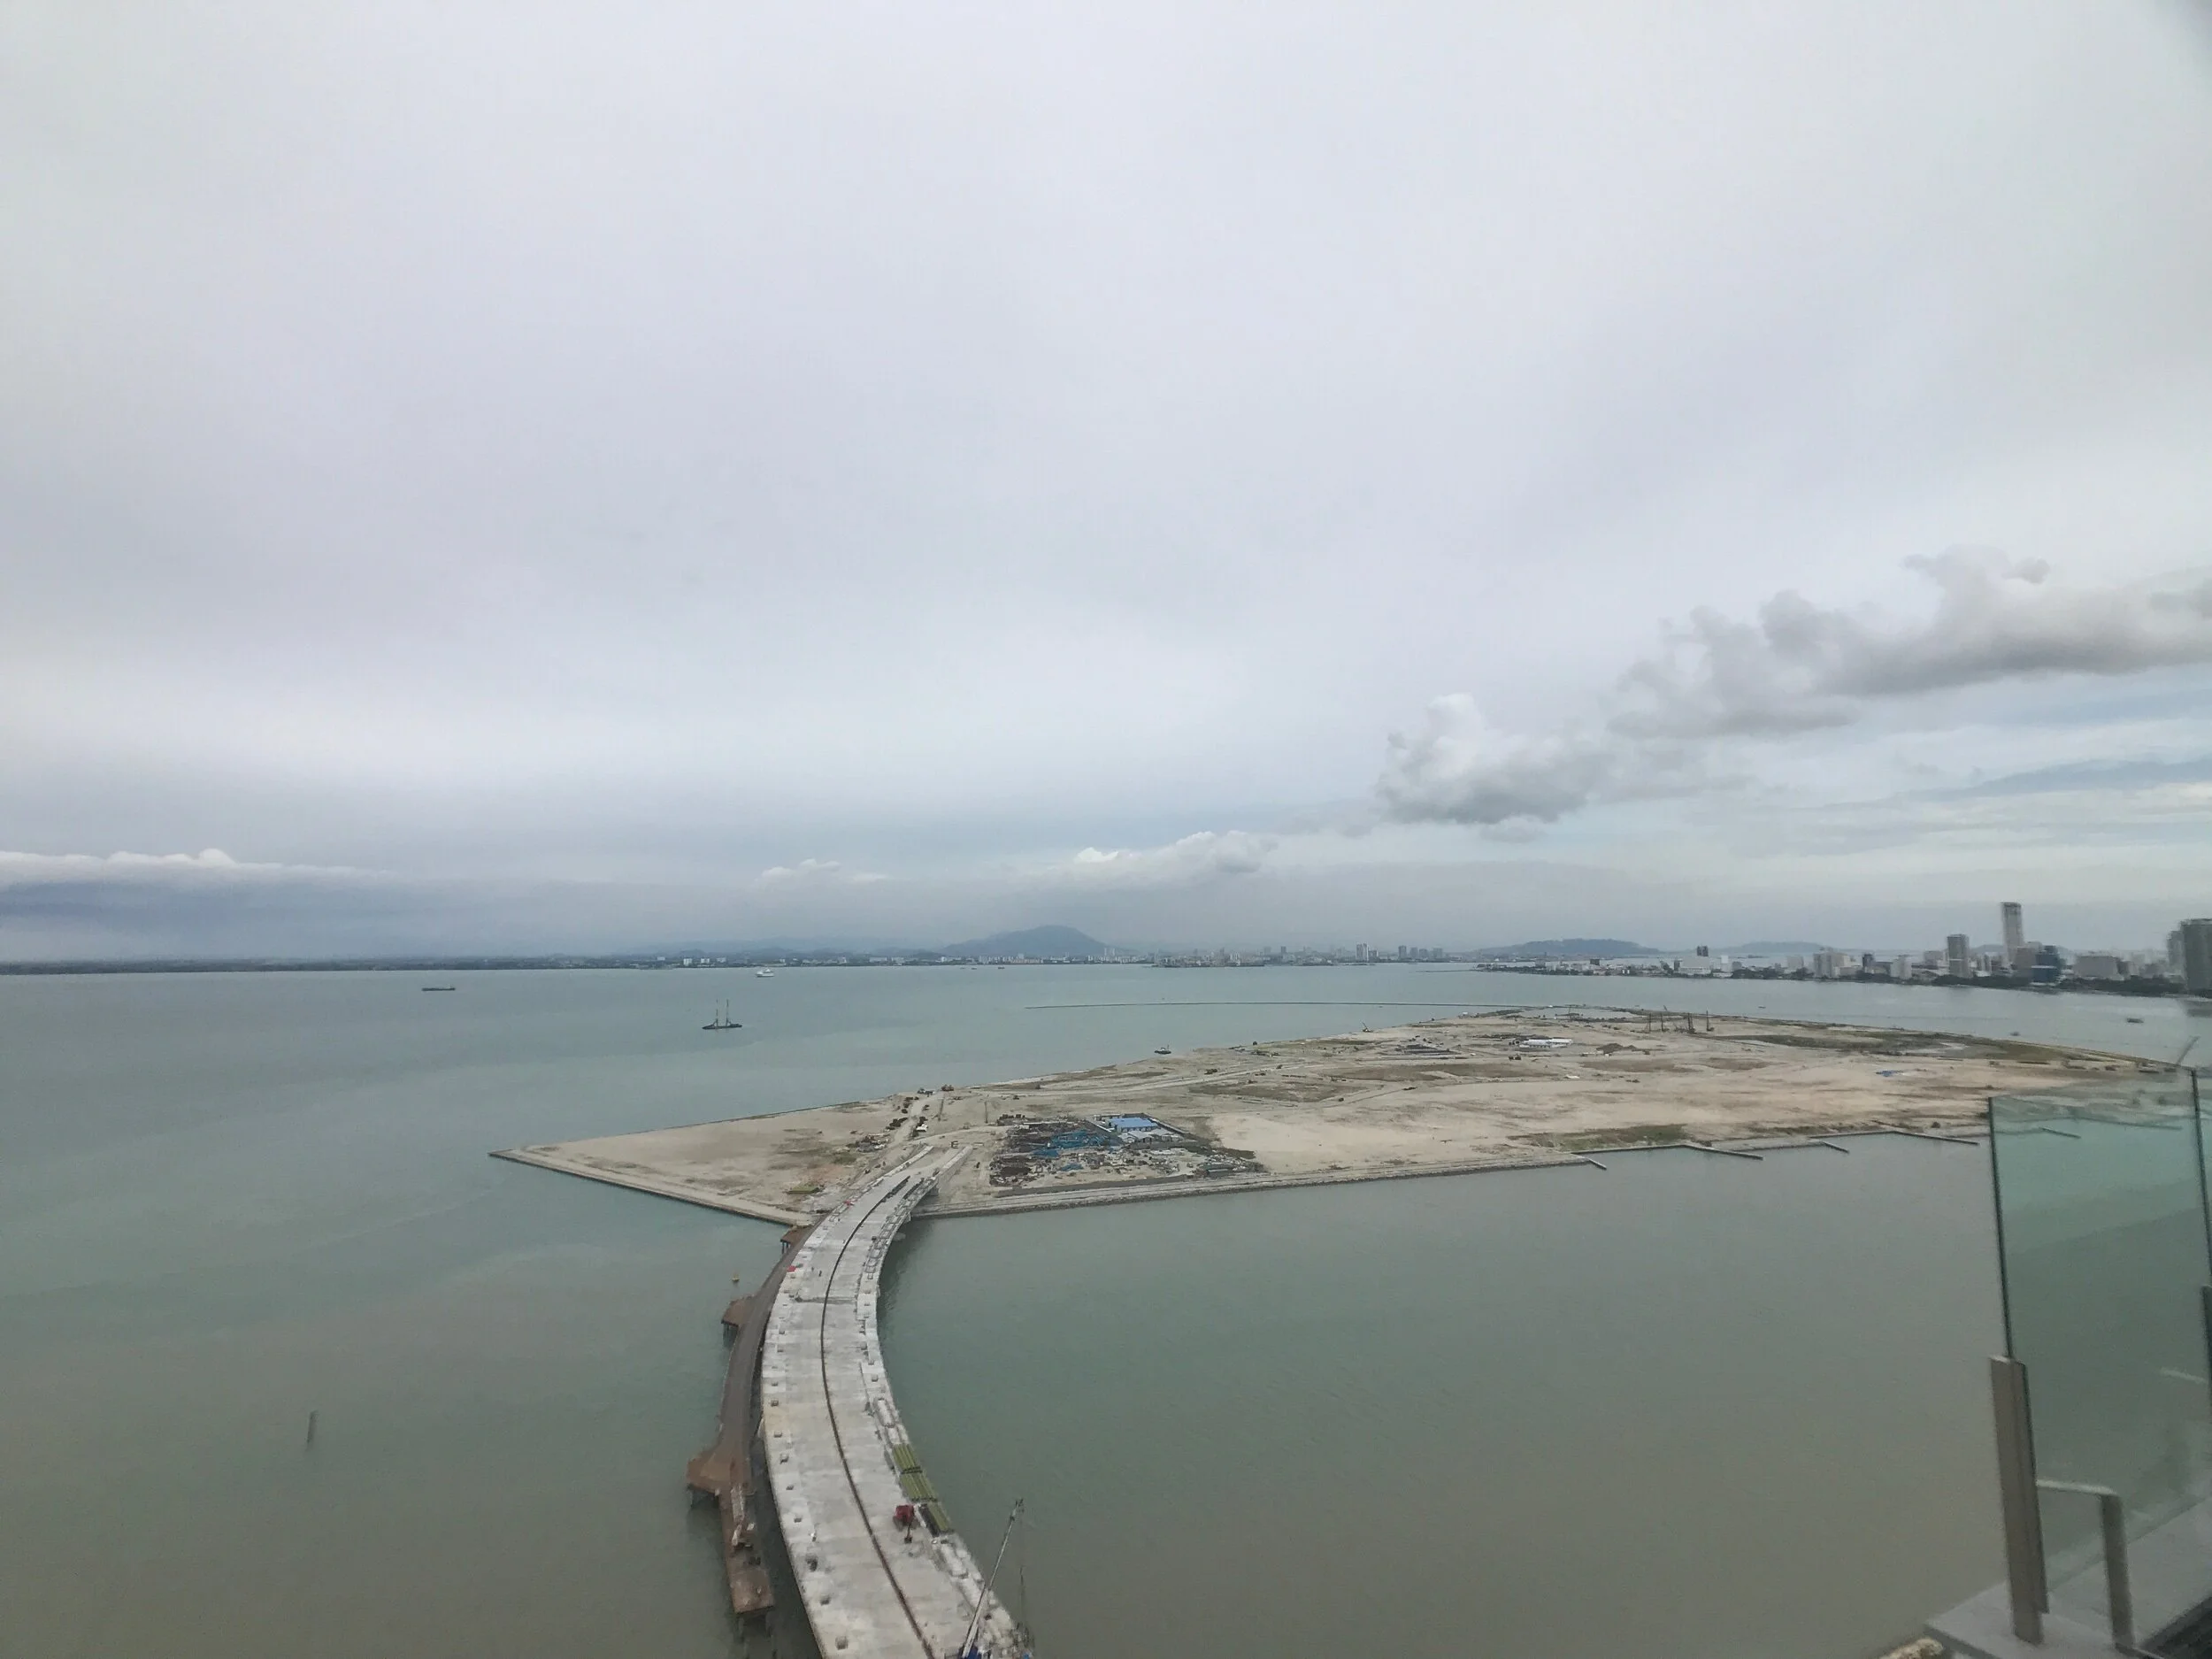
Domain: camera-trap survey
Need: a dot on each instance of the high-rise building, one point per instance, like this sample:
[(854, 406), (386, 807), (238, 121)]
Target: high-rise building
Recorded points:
[(1958, 957), (2196, 956), (2015, 929)]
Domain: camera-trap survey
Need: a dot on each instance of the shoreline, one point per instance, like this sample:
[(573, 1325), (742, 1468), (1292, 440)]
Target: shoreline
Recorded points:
[(1136, 1194), (1106, 1193), (655, 1186)]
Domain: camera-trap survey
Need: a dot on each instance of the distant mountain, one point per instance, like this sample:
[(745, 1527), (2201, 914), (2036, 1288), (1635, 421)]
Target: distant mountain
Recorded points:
[(1539, 947), (1031, 941)]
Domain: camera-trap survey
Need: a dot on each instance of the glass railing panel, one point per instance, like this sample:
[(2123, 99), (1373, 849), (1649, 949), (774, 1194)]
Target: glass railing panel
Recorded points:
[(2101, 1197)]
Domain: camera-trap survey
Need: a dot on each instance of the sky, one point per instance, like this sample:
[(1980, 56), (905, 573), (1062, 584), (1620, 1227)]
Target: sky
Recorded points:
[(482, 476)]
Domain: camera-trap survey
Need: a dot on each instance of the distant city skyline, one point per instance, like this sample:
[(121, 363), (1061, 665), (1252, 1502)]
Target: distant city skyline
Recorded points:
[(2184, 962)]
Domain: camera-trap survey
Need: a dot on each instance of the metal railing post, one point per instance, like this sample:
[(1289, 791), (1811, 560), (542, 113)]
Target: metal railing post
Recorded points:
[(2119, 1591), (2207, 1300), (2016, 1493)]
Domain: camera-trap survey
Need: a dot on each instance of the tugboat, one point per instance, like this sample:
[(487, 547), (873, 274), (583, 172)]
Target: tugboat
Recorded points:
[(722, 1021)]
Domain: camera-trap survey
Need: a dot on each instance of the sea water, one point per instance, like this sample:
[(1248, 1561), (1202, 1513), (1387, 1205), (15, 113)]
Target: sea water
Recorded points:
[(1690, 1405)]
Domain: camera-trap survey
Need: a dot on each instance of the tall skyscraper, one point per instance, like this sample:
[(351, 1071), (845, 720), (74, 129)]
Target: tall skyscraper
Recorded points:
[(1958, 957), (2016, 930), (2196, 956)]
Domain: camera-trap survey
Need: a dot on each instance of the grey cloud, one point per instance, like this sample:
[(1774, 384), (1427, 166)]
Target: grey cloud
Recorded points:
[(1802, 666), (2154, 819), (210, 865), (67, 905), (1798, 668), (1461, 769), (2096, 775)]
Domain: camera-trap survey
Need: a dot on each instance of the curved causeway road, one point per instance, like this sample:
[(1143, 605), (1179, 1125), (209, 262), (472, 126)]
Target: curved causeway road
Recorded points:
[(839, 1462)]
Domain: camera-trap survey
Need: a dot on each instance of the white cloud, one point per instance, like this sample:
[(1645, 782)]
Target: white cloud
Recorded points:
[(814, 873), (1205, 857)]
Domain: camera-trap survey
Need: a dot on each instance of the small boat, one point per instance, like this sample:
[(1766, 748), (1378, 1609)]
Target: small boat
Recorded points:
[(764, 974), (722, 1021), (1162, 1051)]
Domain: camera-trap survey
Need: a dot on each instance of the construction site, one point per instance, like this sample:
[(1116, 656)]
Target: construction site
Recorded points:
[(1470, 1092)]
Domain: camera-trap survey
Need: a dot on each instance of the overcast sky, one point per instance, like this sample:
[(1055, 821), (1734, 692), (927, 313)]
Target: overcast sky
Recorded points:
[(524, 475)]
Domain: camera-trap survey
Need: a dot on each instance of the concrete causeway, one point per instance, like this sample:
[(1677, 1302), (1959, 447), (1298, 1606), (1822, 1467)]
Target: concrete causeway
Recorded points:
[(839, 1462)]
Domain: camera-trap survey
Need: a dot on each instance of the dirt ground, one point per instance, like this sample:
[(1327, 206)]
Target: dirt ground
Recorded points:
[(1472, 1091)]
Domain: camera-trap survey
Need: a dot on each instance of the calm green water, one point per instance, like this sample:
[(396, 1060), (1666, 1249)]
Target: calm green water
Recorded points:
[(1696, 1406)]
